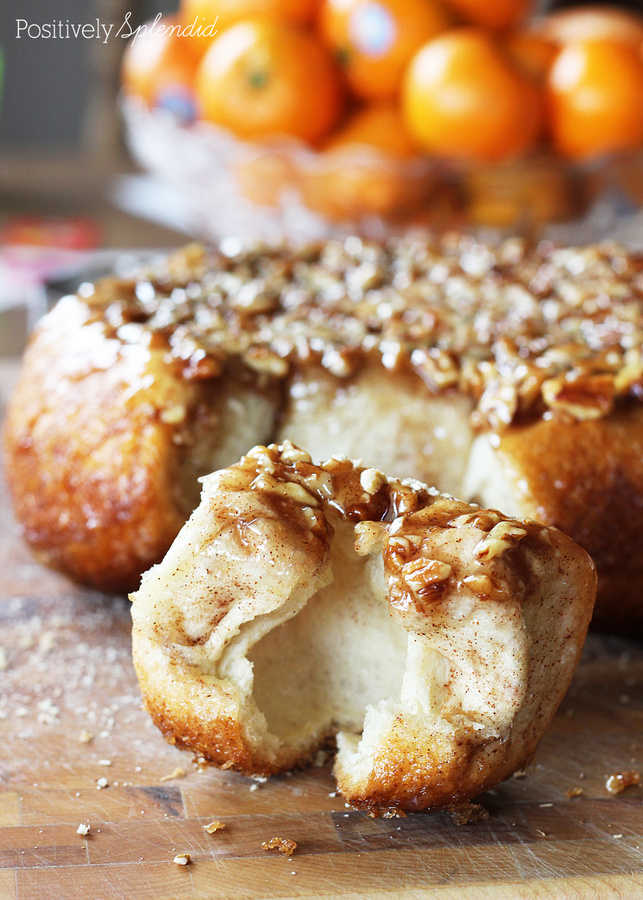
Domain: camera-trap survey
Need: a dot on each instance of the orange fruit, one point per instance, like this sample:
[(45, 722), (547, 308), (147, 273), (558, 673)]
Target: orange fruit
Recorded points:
[(265, 77), (379, 125), (363, 173), (521, 193), (463, 100), (592, 23), (496, 15), (210, 16), (347, 188), (159, 69), (595, 99), (530, 53), (375, 39)]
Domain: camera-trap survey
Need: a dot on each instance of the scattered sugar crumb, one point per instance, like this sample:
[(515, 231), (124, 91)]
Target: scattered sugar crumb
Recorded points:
[(182, 859), (617, 837), (283, 845), (46, 642), (520, 773), (214, 825), (573, 792), (104, 762), (254, 787), (83, 829), (85, 737), (177, 773), (618, 781), (545, 805), (260, 779), (102, 783), (468, 813), (333, 794)]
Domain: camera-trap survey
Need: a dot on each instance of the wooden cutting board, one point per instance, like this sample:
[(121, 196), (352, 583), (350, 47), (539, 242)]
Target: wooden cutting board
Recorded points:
[(70, 721)]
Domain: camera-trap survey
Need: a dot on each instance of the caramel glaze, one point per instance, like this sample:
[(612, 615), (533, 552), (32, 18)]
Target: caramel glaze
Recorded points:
[(400, 517), (522, 330)]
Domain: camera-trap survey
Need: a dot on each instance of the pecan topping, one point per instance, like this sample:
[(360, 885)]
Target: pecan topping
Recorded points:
[(522, 330)]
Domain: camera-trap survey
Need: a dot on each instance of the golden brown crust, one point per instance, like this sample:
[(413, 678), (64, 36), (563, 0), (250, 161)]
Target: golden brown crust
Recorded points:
[(89, 459), (200, 717), (105, 440), (586, 478), (241, 633)]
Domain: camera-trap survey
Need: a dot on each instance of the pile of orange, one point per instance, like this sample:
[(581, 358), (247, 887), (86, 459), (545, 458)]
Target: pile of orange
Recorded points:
[(461, 80)]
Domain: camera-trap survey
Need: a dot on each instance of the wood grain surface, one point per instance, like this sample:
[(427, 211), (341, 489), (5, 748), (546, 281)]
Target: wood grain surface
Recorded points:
[(70, 716)]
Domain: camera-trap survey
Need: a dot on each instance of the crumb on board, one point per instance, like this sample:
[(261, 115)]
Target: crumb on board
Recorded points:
[(104, 762), (83, 828), (618, 781), (468, 813), (102, 783), (85, 737), (214, 825), (177, 773), (182, 859), (283, 845), (573, 792)]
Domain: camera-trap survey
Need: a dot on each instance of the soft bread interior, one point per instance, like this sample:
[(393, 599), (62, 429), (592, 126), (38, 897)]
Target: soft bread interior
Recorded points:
[(489, 482), (386, 419), (329, 659), (319, 671), (392, 421), (226, 418)]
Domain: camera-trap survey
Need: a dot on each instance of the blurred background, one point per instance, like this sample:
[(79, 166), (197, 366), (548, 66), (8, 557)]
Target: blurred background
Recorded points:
[(92, 162)]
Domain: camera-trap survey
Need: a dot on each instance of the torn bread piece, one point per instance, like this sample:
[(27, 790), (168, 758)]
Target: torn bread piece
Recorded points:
[(308, 605)]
